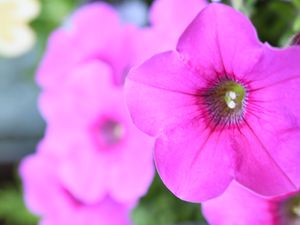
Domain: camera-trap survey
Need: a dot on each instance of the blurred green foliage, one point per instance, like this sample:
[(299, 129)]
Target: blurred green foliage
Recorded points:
[(53, 13), (12, 208), (161, 207), (276, 21)]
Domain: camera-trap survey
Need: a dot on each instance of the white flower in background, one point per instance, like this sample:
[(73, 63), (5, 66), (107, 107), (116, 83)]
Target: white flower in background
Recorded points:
[(16, 36)]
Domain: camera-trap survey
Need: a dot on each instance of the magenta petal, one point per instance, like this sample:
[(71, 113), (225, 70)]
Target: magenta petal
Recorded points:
[(107, 211), (171, 15), (42, 189), (238, 206), (220, 39), (168, 90), (255, 166), (194, 162), (274, 106), (77, 100), (84, 174), (132, 174), (105, 43)]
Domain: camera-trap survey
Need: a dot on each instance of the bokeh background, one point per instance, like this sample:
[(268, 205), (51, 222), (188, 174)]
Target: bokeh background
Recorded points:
[(21, 126)]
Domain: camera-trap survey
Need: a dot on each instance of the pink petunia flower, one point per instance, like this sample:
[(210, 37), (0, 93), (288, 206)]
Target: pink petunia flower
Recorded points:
[(223, 107), (238, 206), (94, 31), (87, 122), (90, 128), (46, 195)]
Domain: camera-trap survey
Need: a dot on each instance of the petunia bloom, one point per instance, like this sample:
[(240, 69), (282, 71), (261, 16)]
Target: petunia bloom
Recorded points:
[(16, 37), (223, 107), (238, 206), (98, 33), (46, 196), (82, 102), (90, 128)]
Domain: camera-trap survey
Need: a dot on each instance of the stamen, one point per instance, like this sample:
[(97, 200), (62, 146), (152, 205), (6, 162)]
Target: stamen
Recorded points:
[(225, 102), (230, 96), (296, 210), (111, 132)]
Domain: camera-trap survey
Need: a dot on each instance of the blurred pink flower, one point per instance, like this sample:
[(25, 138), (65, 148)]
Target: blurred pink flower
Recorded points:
[(46, 195), (94, 31), (82, 102), (223, 106), (89, 126), (238, 206), (168, 19)]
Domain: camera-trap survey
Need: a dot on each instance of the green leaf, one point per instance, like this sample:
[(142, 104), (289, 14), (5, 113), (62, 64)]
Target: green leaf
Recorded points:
[(161, 207), (12, 208)]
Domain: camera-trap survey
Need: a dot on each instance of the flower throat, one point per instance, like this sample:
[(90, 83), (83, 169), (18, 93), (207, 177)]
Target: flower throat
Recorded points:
[(225, 102)]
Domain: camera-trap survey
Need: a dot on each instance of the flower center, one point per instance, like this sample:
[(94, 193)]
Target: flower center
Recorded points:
[(292, 207), (111, 132), (225, 102)]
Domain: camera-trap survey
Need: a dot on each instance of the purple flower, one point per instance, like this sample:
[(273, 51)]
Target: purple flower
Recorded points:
[(238, 206), (223, 107), (46, 195)]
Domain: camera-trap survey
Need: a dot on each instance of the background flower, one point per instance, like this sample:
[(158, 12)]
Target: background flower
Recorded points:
[(16, 37), (47, 196), (239, 206), (89, 126)]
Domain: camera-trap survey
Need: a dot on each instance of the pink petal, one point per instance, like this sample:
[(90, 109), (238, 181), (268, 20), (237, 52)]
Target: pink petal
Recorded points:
[(42, 189), (84, 174), (161, 96), (77, 101), (194, 161), (53, 67), (168, 20), (238, 206), (274, 106), (255, 166), (62, 56), (171, 15), (133, 170), (220, 39), (108, 212)]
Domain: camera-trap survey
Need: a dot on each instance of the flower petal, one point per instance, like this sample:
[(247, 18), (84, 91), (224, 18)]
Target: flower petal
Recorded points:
[(16, 40), (194, 161), (220, 39), (76, 102), (77, 173), (171, 16), (97, 44), (161, 92), (273, 112), (132, 172), (42, 189), (238, 206), (26, 10), (255, 166)]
